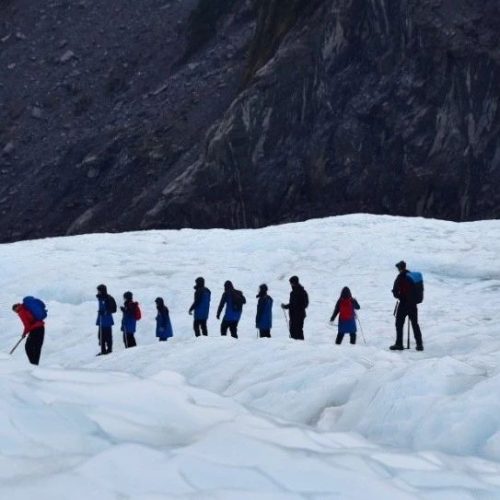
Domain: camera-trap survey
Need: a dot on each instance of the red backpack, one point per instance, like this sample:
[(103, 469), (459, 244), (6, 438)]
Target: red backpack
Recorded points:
[(346, 310), (137, 311)]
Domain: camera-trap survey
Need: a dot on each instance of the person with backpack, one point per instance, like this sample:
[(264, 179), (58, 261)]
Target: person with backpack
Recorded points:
[(233, 300), (32, 312), (200, 307), (131, 314), (164, 328), (346, 308), (264, 317), (106, 307), (299, 301), (409, 294)]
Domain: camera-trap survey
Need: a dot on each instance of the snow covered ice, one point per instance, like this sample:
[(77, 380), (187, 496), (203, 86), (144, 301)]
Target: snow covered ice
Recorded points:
[(256, 418)]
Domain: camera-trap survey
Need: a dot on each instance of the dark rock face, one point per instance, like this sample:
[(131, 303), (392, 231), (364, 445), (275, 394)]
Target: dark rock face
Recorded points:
[(112, 119)]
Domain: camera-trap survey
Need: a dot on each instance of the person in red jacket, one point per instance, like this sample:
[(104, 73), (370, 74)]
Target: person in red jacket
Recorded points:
[(34, 329)]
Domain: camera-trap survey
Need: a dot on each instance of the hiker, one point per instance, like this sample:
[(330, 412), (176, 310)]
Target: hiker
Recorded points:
[(34, 329), (404, 290), (299, 300), (264, 317), (163, 325), (106, 309), (345, 308), (131, 313), (233, 300), (201, 307)]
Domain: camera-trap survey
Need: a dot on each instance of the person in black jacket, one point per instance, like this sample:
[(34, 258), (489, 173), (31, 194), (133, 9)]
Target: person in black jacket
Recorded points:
[(299, 300), (404, 291)]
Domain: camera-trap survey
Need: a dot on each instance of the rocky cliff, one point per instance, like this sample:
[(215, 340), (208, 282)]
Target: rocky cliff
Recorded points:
[(124, 115)]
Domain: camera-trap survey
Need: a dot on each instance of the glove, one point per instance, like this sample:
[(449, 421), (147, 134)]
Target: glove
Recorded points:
[(122, 308), (190, 312), (218, 316), (283, 306)]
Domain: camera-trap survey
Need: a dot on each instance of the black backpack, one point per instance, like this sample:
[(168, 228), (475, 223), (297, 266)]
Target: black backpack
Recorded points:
[(238, 300), (111, 304)]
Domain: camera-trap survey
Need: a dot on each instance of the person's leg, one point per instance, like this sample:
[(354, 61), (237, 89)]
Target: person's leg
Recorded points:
[(299, 325), (265, 334), (353, 338), (223, 327), (204, 329), (131, 340), (196, 327), (106, 340), (400, 321), (233, 328), (413, 317), (340, 337), (34, 344)]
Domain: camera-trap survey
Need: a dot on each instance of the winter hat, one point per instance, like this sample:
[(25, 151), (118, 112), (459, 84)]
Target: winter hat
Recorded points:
[(294, 280), (200, 281), (401, 265), (262, 290), (102, 289), (228, 285), (127, 295), (159, 301)]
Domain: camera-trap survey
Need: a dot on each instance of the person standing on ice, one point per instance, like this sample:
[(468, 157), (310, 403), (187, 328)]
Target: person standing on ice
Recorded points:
[(299, 301), (106, 308), (34, 329), (233, 300), (201, 307), (164, 328), (264, 317), (131, 313), (404, 291), (346, 308)]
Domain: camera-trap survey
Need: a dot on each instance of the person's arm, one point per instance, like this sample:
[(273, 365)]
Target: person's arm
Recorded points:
[(26, 318), (395, 288), (335, 311), (260, 307), (221, 304), (243, 300), (198, 295), (355, 303)]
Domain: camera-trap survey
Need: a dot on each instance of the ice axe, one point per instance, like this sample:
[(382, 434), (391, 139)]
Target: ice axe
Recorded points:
[(17, 343)]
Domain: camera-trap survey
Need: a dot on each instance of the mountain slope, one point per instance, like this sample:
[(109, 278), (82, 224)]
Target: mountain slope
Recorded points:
[(171, 114)]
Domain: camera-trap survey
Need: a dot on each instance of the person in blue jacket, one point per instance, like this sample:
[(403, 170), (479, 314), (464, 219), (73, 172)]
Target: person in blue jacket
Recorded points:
[(346, 308), (264, 317), (129, 320), (201, 307), (106, 308), (163, 325), (233, 300)]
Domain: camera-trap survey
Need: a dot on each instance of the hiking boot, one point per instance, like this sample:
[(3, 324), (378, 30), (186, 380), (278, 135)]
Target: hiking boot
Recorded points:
[(396, 347), (420, 348)]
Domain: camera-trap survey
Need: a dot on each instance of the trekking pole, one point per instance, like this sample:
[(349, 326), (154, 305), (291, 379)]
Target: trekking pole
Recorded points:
[(17, 343), (287, 325), (408, 346), (361, 329)]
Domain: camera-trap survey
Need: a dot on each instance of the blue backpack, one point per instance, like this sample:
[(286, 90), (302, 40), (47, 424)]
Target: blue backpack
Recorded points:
[(36, 307), (418, 286)]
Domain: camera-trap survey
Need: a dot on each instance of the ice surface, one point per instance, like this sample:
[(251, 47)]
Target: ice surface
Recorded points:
[(221, 418)]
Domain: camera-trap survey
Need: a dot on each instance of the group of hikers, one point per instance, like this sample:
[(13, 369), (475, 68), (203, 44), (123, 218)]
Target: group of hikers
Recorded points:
[(407, 289)]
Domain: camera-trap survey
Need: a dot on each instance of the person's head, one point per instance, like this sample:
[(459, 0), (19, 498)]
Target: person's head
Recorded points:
[(102, 290), (401, 265), (294, 280), (346, 293), (127, 295), (200, 282), (262, 290), (160, 304), (16, 307), (228, 286)]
